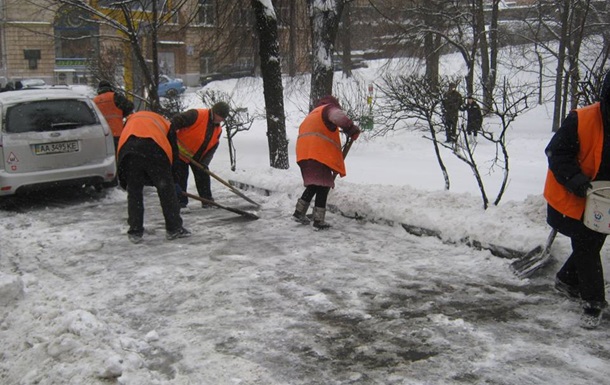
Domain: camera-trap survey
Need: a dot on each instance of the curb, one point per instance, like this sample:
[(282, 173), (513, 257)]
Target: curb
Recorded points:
[(496, 250)]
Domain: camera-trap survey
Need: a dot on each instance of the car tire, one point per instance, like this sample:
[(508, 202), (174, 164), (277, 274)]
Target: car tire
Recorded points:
[(171, 93)]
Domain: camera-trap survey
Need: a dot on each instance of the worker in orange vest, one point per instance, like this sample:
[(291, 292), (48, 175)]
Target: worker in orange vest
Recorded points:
[(320, 157), (579, 153), (114, 106), (198, 132), (147, 148)]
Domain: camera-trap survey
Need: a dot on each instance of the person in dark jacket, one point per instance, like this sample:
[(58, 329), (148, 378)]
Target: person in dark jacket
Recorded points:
[(147, 148), (114, 106), (473, 115), (320, 157), (198, 132), (452, 102), (579, 153)]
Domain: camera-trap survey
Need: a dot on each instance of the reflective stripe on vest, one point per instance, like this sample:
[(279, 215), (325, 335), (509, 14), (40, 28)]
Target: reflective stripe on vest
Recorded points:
[(191, 139), (317, 142), (591, 139)]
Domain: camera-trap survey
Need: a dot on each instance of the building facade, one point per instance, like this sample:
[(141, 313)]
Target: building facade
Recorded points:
[(49, 40)]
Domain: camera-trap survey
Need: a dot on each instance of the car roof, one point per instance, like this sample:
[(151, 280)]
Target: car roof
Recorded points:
[(51, 93)]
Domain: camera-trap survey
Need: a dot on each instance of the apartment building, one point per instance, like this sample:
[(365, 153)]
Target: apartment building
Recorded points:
[(49, 40)]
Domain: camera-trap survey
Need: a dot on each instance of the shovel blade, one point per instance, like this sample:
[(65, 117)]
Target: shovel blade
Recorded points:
[(535, 259)]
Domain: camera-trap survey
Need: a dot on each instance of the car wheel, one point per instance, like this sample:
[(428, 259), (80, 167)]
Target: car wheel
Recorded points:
[(172, 93)]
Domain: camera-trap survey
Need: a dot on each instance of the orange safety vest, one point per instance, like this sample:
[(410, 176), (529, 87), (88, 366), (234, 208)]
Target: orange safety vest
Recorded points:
[(192, 138), (113, 114), (147, 124), (317, 142), (591, 139)]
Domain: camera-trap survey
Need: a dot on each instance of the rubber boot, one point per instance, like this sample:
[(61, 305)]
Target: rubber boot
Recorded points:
[(318, 218), (300, 211)]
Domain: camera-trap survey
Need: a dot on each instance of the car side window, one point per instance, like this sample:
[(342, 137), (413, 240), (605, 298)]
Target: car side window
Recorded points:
[(49, 115)]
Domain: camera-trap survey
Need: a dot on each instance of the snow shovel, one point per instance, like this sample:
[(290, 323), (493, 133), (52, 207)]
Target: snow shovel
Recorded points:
[(210, 173), (344, 151), (535, 259), (232, 209)]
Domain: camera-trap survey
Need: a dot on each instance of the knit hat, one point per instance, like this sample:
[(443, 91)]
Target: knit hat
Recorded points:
[(221, 109), (104, 86)]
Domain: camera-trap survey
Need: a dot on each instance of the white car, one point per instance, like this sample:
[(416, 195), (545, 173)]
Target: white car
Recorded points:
[(52, 137)]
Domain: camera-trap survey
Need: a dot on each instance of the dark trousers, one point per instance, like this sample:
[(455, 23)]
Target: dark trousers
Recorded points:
[(142, 170), (472, 129), (202, 180), (320, 192), (451, 129), (583, 269)]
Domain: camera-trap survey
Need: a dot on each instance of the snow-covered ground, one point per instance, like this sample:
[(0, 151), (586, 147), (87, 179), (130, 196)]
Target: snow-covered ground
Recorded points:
[(272, 302)]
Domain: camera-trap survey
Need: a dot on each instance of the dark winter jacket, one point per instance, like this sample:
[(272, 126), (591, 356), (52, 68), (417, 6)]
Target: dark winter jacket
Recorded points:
[(475, 117), (563, 151), (451, 104)]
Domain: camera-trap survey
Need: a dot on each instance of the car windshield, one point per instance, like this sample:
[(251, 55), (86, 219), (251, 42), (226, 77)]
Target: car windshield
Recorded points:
[(49, 115)]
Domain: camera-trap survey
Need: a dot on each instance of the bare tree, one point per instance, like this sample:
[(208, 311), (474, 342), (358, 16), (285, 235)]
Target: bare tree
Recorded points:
[(136, 24), (266, 23), (414, 101), (238, 120)]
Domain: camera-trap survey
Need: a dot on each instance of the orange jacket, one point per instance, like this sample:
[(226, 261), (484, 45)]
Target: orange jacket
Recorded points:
[(317, 142), (591, 139), (147, 124), (192, 138), (113, 114)]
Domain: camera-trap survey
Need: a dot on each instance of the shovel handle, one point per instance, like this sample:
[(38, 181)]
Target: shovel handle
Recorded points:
[(210, 173), (231, 209)]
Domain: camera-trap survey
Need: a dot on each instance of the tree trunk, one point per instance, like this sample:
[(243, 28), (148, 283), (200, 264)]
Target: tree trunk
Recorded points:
[(480, 35), (273, 90), (432, 54), (346, 40), (292, 43), (324, 20), (561, 57), (153, 96)]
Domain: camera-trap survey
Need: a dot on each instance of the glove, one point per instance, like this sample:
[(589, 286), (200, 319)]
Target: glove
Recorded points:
[(578, 185), (356, 133)]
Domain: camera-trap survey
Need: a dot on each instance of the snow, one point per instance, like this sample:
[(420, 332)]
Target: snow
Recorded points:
[(272, 302)]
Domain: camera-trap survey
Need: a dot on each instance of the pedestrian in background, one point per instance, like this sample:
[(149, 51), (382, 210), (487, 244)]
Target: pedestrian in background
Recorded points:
[(452, 101), (198, 132), (146, 151), (320, 157), (579, 153), (474, 117), (114, 106)]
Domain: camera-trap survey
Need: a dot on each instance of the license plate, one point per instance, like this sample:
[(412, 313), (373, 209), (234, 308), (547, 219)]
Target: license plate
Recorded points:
[(56, 148)]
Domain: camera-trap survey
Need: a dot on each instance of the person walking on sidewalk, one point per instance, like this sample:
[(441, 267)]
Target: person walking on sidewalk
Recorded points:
[(146, 151), (319, 156), (114, 106), (579, 153), (198, 132)]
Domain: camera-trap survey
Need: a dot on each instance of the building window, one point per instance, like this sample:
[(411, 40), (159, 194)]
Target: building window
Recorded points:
[(141, 5), (75, 36), (283, 14), (243, 17), (206, 63), (206, 12)]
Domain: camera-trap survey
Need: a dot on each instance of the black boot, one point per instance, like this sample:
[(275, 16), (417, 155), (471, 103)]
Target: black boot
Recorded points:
[(301, 211), (318, 218)]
